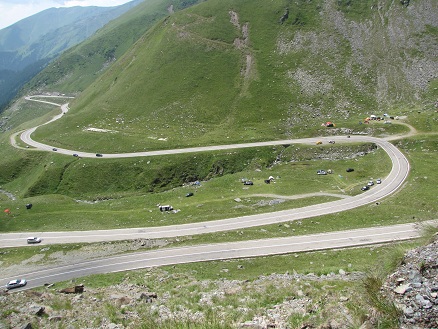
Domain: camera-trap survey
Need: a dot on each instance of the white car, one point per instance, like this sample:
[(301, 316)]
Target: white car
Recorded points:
[(16, 284), (33, 239), (379, 181), (370, 183)]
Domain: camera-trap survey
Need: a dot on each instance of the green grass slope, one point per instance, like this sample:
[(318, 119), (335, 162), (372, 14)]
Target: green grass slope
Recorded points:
[(78, 67), (229, 71), (218, 72)]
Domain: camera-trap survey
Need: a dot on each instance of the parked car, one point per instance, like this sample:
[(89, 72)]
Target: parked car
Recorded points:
[(165, 208), (365, 188), (248, 182), (16, 284), (321, 172), (99, 155), (370, 183), (379, 181), (349, 170), (189, 194), (33, 239)]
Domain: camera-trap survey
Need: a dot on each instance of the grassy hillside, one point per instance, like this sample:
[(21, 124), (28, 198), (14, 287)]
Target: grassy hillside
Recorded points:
[(218, 72), (229, 71), (78, 67)]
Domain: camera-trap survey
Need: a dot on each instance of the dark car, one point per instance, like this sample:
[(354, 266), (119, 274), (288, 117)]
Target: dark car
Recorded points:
[(365, 188), (16, 284), (248, 182), (54, 149), (349, 170), (75, 155), (99, 155), (189, 194)]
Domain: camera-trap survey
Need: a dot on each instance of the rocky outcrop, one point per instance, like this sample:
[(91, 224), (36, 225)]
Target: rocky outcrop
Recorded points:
[(73, 290), (414, 287)]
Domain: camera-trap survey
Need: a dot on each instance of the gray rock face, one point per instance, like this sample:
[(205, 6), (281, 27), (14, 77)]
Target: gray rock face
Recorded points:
[(413, 288)]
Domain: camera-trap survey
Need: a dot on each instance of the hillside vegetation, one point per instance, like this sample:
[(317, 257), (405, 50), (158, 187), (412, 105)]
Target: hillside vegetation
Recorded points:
[(215, 73), (78, 67), (231, 71)]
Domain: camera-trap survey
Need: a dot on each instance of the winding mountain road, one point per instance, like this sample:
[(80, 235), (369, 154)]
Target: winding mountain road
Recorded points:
[(391, 183), (220, 251)]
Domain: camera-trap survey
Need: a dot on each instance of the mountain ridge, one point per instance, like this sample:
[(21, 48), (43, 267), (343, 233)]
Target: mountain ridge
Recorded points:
[(28, 45)]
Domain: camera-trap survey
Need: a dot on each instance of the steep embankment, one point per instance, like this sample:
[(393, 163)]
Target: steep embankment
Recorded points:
[(228, 71), (413, 287), (78, 67)]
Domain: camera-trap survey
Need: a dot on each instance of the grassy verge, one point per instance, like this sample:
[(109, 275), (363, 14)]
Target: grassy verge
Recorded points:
[(214, 198), (14, 256)]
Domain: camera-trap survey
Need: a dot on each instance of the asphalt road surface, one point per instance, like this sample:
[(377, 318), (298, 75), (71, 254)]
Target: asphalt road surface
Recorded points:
[(229, 250)]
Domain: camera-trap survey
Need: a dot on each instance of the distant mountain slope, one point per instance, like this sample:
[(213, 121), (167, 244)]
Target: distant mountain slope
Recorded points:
[(26, 46), (51, 31)]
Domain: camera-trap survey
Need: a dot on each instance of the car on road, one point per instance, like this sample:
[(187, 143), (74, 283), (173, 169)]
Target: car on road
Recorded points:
[(99, 155), (378, 181), (16, 284), (365, 188), (75, 155), (33, 239), (321, 172), (54, 149), (331, 142), (318, 143), (370, 183)]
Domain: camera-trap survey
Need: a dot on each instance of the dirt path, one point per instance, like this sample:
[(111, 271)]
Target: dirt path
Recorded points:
[(412, 131), (9, 195)]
